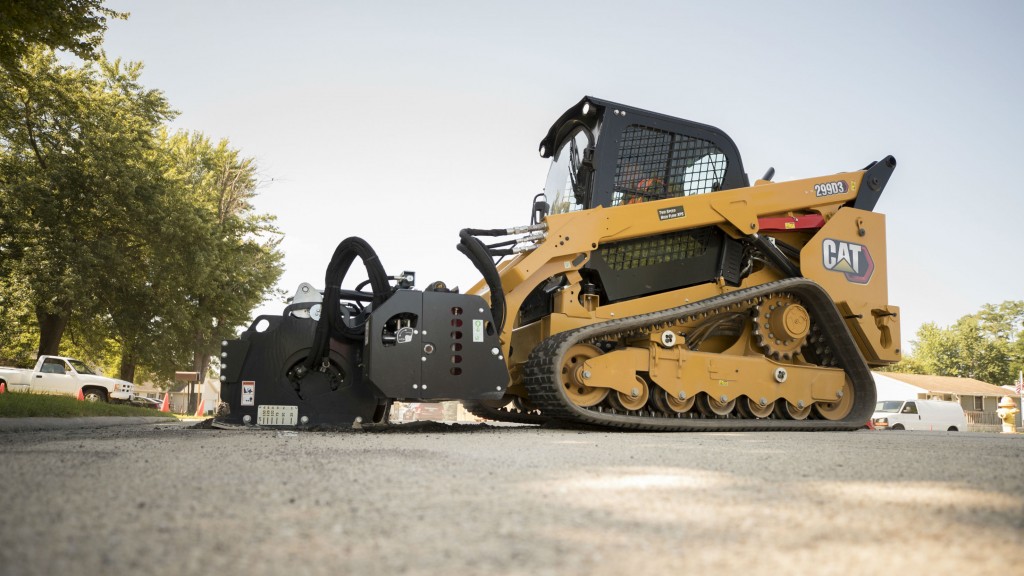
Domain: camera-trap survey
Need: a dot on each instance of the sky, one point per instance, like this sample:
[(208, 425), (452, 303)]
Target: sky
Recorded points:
[(403, 122)]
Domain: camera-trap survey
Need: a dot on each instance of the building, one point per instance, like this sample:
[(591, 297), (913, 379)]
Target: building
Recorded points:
[(978, 399), (179, 402)]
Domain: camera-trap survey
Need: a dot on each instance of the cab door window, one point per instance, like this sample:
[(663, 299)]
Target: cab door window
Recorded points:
[(655, 164), (53, 366)]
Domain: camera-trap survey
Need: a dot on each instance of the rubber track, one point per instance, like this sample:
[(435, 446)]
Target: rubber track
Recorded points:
[(543, 368)]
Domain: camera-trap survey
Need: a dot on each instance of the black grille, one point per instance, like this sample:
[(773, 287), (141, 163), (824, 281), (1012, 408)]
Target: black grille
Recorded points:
[(643, 252), (655, 164)]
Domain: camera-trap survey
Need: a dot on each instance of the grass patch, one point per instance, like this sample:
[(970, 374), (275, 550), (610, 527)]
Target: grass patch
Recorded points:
[(28, 405)]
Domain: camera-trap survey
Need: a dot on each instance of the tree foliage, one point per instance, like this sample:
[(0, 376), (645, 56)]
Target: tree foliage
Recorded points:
[(225, 255), (73, 25), (144, 245), (987, 345), (76, 178)]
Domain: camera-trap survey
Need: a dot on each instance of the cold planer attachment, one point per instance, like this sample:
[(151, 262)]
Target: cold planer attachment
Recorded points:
[(418, 346), (343, 360)]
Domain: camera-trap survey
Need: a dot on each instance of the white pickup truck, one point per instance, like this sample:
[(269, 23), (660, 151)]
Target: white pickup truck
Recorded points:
[(61, 375)]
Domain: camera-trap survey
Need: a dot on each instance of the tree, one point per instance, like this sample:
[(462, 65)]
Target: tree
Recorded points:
[(141, 244), (73, 25), (76, 180), (235, 260), (987, 346)]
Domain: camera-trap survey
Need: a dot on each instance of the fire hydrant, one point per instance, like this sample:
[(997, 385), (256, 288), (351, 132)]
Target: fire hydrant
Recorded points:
[(1007, 410)]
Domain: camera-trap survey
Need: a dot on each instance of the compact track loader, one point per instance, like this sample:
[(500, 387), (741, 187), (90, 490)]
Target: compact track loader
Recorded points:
[(654, 289)]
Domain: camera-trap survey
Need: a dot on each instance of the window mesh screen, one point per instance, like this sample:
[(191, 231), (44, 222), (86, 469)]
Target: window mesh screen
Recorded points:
[(657, 164), (642, 252)]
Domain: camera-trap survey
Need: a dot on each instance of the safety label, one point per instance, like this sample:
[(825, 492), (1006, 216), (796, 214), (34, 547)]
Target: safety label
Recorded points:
[(277, 415), (478, 330), (248, 393)]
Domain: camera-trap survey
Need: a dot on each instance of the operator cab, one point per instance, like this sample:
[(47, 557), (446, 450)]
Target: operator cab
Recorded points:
[(608, 154)]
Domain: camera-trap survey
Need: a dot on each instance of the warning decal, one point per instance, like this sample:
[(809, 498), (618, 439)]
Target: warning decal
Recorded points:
[(248, 393)]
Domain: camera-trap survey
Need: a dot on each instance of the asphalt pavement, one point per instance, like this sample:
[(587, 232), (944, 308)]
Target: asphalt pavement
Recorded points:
[(164, 497)]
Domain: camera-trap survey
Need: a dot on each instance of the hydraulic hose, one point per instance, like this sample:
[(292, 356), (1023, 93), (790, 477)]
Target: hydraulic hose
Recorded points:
[(331, 322), (477, 253), (775, 255)]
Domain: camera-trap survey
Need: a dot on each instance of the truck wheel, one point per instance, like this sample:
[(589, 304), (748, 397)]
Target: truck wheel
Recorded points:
[(897, 427), (952, 429), (94, 395)]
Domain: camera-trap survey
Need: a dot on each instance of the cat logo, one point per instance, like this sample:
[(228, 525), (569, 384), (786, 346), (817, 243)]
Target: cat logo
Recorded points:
[(851, 259)]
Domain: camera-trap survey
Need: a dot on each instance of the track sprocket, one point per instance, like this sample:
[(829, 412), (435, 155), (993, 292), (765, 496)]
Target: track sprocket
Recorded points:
[(781, 326)]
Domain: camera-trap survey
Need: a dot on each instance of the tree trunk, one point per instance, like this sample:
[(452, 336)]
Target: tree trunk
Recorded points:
[(127, 369), (51, 330), (200, 360)]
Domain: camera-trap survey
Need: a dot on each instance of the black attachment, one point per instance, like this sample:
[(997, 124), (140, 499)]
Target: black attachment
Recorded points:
[(258, 371), (769, 174), (435, 345)]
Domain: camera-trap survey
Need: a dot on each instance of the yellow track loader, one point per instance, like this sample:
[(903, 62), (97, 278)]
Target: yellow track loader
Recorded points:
[(655, 288)]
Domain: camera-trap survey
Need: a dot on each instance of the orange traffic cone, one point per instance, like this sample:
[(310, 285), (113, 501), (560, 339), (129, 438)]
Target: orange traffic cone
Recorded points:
[(166, 406), (199, 409), (80, 395), (3, 387)]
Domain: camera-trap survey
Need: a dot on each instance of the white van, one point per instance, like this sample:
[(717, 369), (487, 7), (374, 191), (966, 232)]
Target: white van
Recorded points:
[(919, 415)]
